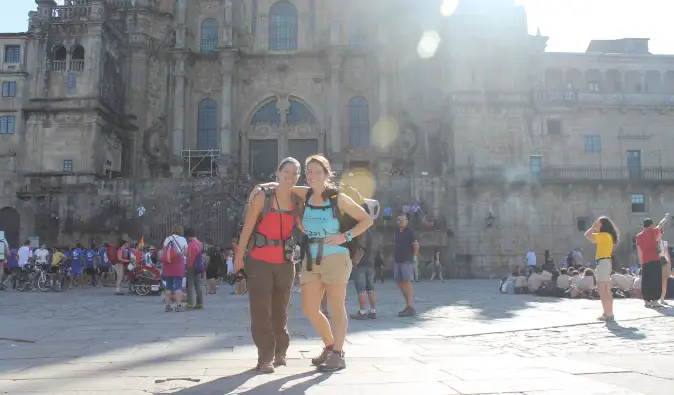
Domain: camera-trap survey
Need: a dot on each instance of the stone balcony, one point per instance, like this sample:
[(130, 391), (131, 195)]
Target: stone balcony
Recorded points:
[(564, 174), (573, 98)]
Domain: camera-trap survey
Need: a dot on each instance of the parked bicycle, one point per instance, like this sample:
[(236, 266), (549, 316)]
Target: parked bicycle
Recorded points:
[(43, 278)]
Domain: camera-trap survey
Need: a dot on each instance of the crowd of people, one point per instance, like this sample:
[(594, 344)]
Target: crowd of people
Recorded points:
[(650, 282)]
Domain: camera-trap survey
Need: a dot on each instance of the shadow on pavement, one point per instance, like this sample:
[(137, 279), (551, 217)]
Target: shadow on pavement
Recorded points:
[(624, 332), (296, 384)]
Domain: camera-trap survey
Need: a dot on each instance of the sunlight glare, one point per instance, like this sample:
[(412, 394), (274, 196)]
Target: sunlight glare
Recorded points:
[(429, 43), (385, 132), (362, 180), (448, 7)]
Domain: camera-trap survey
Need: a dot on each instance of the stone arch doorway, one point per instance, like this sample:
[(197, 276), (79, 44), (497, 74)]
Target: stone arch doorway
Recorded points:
[(280, 126), (10, 223)]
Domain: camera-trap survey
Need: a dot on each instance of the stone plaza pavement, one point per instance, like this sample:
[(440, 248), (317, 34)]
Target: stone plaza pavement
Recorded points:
[(467, 339)]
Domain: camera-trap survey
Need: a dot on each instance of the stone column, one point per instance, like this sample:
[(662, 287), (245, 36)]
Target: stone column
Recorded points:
[(227, 60), (335, 60), (178, 135)]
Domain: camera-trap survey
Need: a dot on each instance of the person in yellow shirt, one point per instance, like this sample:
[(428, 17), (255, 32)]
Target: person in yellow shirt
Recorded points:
[(57, 258), (604, 234)]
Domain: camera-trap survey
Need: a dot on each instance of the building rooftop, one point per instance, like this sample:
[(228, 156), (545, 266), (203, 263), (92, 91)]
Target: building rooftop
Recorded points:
[(638, 46)]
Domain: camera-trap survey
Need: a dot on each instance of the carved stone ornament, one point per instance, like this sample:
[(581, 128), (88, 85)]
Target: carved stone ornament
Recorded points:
[(154, 140)]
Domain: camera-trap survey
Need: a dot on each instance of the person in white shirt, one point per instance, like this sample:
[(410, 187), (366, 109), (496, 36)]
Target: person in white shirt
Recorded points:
[(24, 254), (531, 259), (41, 255), (564, 280)]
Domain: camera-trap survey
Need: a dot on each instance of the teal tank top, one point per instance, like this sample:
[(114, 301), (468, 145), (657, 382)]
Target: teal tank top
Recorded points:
[(321, 223)]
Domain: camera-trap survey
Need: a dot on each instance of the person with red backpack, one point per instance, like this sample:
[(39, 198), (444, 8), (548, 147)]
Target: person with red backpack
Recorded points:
[(173, 270)]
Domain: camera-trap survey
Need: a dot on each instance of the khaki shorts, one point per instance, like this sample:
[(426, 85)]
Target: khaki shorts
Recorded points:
[(334, 269), (666, 270), (119, 269), (603, 270)]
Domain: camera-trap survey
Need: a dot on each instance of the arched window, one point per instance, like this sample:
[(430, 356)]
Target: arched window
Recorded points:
[(299, 113), (359, 123), (207, 125), (77, 58), (267, 114), (59, 58), (283, 27), (209, 35)]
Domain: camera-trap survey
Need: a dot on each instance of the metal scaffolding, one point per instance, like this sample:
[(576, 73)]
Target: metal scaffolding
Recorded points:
[(202, 163)]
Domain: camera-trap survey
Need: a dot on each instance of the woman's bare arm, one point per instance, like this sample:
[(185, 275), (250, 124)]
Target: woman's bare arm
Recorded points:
[(252, 213), (347, 205)]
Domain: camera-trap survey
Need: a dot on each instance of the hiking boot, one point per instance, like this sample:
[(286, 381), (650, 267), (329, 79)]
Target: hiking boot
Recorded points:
[(334, 362), (358, 316), (408, 312), (265, 368), (319, 360), (372, 315), (280, 360)]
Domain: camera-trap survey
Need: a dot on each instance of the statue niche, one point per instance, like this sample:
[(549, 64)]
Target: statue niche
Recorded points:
[(155, 146)]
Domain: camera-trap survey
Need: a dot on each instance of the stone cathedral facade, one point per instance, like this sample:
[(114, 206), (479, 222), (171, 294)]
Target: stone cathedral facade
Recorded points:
[(110, 106)]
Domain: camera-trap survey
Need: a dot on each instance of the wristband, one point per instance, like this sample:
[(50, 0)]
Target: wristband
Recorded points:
[(416, 259), (348, 237)]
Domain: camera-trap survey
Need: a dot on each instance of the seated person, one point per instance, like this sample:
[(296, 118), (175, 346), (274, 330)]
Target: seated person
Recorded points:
[(575, 278), (508, 283), (564, 280), (521, 284), (538, 278), (621, 281), (586, 285)]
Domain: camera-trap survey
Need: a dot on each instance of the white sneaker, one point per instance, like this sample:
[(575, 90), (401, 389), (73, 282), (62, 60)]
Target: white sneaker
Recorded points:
[(656, 305)]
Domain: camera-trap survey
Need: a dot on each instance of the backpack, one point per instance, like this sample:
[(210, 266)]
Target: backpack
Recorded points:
[(170, 254), (258, 239), (358, 244), (112, 254), (199, 262)]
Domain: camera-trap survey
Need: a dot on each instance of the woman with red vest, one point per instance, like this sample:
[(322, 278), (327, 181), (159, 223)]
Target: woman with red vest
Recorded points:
[(267, 231)]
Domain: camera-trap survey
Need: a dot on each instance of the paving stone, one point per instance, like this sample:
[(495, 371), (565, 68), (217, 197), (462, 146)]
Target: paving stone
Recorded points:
[(467, 339)]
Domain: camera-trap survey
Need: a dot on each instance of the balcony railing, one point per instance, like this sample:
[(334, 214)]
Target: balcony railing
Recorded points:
[(551, 174), (58, 65), (568, 97), (68, 13), (76, 65)]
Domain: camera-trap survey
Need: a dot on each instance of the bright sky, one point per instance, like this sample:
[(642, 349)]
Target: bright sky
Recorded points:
[(570, 24)]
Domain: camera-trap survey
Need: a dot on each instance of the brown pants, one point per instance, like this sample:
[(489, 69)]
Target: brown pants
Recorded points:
[(269, 287)]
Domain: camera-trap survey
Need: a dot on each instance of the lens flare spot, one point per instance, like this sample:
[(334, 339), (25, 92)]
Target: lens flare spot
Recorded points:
[(385, 132), (429, 43), (448, 7), (360, 179)]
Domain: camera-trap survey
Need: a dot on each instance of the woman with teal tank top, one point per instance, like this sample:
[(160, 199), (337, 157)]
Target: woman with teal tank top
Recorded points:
[(328, 267)]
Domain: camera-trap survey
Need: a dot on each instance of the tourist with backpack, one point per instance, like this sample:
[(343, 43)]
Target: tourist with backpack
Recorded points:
[(332, 223), (172, 257), (269, 263)]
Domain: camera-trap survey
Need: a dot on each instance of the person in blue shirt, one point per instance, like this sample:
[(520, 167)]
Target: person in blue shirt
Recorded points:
[(13, 265), (89, 268), (77, 265)]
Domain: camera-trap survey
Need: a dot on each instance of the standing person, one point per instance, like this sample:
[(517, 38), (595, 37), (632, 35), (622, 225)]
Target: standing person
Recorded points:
[(121, 260), (530, 260), (406, 251), (194, 250), (649, 256), (24, 256), (379, 266), (42, 255), (77, 265), (604, 234), (89, 263), (173, 271), (327, 266), (666, 268), (214, 268), (437, 266), (267, 233), (4, 257), (363, 280)]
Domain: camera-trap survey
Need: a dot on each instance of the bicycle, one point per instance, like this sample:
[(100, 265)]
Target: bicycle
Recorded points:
[(43, 278), (60, 279)]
